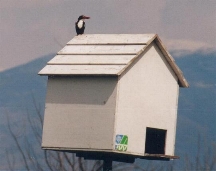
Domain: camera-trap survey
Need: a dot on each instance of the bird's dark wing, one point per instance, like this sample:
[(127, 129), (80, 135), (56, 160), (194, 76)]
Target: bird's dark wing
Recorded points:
[(77, 28)]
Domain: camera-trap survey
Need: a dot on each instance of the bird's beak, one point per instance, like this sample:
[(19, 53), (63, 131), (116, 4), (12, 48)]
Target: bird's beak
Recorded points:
[(85, 17)]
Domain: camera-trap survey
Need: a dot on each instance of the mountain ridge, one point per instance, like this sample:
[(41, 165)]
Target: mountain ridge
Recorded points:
[(20, 87)]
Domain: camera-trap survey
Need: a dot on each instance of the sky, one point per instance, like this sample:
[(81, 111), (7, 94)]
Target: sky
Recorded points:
[(30, 29)]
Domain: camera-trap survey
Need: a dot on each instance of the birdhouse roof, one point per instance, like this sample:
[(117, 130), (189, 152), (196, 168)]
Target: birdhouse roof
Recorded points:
[(105, 54)]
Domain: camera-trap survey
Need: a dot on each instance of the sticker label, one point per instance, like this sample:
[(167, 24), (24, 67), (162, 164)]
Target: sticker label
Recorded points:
[(121, 142)]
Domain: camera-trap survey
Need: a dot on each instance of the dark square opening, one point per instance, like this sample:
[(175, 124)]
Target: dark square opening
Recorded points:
[(155, 141)]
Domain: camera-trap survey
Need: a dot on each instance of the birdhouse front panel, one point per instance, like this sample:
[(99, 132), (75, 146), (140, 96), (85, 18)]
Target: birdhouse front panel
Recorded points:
[(80, 113), (148, 98)]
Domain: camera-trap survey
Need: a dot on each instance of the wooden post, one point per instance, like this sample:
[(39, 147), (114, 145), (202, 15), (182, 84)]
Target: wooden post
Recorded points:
[(107, 165)]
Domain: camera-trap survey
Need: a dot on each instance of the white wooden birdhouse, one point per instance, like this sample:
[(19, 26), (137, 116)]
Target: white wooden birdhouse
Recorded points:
[(113, 94)]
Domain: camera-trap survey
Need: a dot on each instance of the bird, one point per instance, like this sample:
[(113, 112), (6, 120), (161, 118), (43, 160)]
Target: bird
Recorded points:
[(80, 24)]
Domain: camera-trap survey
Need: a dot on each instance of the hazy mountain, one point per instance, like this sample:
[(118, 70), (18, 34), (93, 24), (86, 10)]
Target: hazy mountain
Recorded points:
[(197, 104), (21, 86)]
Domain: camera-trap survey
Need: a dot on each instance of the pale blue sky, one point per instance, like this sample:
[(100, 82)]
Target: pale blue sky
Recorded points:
[(30, 29)]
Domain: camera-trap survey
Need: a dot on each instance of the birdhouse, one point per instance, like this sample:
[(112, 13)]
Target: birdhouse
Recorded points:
[(112, 94)]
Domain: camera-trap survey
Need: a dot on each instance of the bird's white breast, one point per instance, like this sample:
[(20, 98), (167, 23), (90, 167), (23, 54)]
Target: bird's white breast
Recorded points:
[(80, 24)]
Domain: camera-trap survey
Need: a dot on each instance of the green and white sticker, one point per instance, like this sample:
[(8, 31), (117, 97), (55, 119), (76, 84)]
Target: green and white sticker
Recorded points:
[(121, 142)]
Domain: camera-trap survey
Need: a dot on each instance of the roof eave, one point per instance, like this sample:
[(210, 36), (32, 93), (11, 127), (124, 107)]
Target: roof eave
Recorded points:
[(181, 80), (48, 74)]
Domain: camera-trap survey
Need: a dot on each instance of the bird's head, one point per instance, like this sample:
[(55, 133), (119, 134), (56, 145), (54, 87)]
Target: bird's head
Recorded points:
[(82, 17)]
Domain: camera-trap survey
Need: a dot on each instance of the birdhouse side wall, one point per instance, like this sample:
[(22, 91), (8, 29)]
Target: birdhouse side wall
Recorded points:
[(147, 97), (79, 113)]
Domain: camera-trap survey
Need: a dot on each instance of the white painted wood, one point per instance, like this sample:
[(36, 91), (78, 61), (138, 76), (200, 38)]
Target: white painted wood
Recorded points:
[(81, 69), (91, 59), (101, 49), (111, 39), (148, 99), (80, 113), (87, 112)]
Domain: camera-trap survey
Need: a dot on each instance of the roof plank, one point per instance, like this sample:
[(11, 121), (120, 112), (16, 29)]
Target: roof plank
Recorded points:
[(111, 39), (91, 59), (101, 49), (81, 70)]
